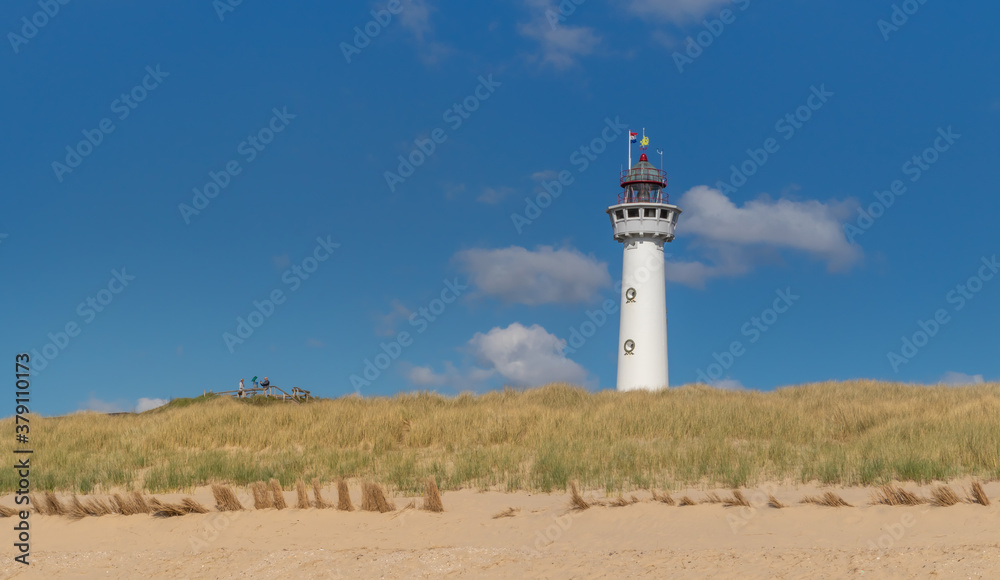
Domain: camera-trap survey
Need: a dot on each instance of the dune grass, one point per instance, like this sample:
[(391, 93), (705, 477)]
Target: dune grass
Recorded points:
[(849, 433)]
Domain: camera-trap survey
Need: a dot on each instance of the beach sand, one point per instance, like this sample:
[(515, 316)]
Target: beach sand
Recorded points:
[(543, 539)]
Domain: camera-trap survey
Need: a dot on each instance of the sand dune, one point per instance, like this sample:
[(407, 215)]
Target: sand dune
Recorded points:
[(542, 539)]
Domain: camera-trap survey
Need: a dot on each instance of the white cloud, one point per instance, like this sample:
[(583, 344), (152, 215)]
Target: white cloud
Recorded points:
[(677, 11), (493, 195), (810, 226), (416, 18), (99, 406), (120, 405), (729, 385), (472, 378), (453, 190), (281, 262), (545, 174), (426, 377), (387, 322), (544, 276), (519, 355), (734, 237), (527, 356), (729, 262), (560, 43), (666, 40), (959, 379), (144, 404)]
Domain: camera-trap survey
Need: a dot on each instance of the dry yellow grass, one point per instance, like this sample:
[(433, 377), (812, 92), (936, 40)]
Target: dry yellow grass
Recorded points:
[(944, 496), (712, 497), (686, 500), (79, 510), (507, 513), (621, 501), (319, 502), (576, 500), (53, 506), (261, 496), (192, 506), (139, 503), (129, 504), (277, 495), (119, 505), (90, 507), (773, 502), (432, 497), (828, 499), (161, 509), (344, 497), (978, 494), (301, 495), (738, 500), (663, 498), (410, 506), (891, 494), (98, 506), (6, 512), (373, 498), (846, 433), (225, 499)]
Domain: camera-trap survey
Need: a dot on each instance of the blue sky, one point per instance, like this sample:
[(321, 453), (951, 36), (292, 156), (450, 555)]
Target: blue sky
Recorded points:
[(290, 117)]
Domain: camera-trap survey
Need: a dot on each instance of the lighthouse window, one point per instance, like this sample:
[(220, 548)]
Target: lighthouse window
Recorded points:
[(664, 214), (649, 212), (619, 214), (634, 212)]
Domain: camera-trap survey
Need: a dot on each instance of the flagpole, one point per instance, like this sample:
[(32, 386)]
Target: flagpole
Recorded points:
[(628, 141)]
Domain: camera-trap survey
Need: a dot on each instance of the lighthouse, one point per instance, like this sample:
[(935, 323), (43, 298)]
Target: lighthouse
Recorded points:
[(643, 221)]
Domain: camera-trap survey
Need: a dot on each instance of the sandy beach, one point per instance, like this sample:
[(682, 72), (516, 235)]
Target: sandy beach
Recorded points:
[(542, 538)]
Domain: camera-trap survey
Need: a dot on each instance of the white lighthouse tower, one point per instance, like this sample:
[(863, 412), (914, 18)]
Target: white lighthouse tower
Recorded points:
[(643, 220)]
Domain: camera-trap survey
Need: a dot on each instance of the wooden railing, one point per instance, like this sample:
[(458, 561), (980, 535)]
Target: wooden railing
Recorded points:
[(298, 395)]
